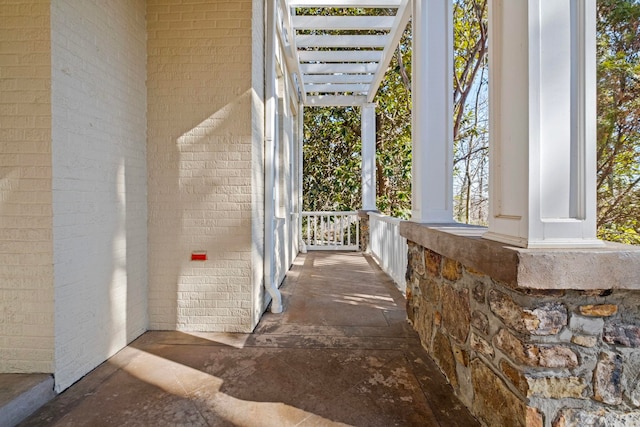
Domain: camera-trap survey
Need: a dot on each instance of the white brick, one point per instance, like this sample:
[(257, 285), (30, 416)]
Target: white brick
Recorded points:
[(99, 180), (26, 279), (198, 130), (74, 211)]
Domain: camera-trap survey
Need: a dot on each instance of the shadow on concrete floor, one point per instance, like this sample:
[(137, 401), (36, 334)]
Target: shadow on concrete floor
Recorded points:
[(342, 353)]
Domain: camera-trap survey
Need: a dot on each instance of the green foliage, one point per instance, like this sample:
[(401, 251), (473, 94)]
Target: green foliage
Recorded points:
[(393, 134), (470, 127), (330, 183), (332, 162), (618, 181), (332, 135)]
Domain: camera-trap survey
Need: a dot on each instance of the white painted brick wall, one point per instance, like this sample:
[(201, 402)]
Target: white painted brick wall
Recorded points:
[(257, 158), (26, 253), (200, 157), (99, 180)]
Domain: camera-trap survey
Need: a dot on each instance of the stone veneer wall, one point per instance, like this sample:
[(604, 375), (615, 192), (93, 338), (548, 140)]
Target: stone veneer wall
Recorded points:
[(363, 216), (520, 356)]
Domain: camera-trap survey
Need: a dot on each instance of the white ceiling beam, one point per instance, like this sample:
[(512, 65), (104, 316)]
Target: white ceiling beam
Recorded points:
[(340, 55), (335, 100), (288, 43), (337, 88), (346, 3), (351, 41), (344, 68), (313, 22), (338, 78), (334, 63), (401, 21)]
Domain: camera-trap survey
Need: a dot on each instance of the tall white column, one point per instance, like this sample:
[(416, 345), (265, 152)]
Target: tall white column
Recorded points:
[(542, 123), (432, 124), (368, 113), (299, 141), (271, 118)]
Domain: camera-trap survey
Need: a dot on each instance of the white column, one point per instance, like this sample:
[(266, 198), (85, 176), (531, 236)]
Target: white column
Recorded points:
[(271, 118), (432, 124), (368, 117), (543, 123), (300, 141)]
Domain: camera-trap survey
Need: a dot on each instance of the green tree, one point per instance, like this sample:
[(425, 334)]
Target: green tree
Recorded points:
[(618, 181), (470, 116), (393, 125), (332, 161), (393, 134), (331, 183)]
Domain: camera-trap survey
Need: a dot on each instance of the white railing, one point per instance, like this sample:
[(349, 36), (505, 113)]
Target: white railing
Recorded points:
[(388, 248), (330, 231)]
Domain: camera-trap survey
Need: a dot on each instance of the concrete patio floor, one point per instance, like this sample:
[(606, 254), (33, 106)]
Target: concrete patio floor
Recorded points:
[(342, 353)]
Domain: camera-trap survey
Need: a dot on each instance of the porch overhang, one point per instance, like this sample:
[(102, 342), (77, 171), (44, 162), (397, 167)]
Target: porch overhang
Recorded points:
[(340, 60)]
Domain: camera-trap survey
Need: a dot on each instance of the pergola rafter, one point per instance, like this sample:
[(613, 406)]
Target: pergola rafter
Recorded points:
[(341, 60)]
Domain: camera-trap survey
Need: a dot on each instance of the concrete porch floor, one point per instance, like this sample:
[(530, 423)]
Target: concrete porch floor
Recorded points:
[(342, 353)]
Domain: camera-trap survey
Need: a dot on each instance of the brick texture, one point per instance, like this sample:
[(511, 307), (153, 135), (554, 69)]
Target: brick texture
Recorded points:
[(200, 165), (26, 253), (99, 180)]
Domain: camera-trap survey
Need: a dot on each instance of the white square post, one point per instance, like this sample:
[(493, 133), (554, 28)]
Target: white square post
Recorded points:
[(542, 123), (368, 135), (432, 123)]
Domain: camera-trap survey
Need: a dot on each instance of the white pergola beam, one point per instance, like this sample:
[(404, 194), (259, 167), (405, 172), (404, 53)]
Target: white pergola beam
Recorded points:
[(400, 22), (288, 42), (347, 68), (346, 3), (338, 78), (340, 55), (334, 63), (341, 41), (336, 100), (313, 22), (336, 88)]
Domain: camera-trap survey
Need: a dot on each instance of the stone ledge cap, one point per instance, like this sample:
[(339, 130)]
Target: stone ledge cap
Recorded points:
[(613, 266), (364, 213)]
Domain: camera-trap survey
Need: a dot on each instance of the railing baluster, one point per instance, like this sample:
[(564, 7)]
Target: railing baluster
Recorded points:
[(325, 231), (315, 230), (332, 241), (330, 230), (388, 248)]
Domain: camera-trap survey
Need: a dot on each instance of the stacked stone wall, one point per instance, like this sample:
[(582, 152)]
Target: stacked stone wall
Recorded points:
[(364, 231), (525, 357)]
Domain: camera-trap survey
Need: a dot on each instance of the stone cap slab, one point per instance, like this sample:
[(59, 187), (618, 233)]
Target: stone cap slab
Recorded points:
[(613, 266), (364, 213)]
